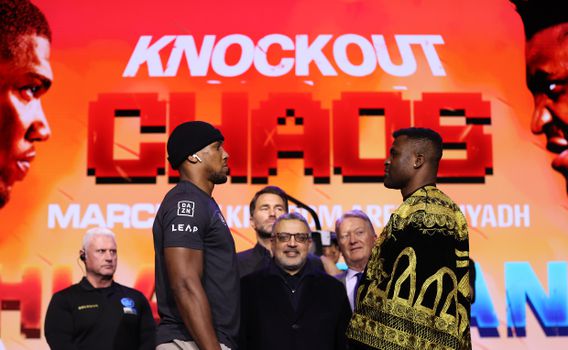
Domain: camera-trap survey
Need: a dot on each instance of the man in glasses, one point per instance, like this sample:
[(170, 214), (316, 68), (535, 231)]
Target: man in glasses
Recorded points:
[(290, 304), (266, 205)]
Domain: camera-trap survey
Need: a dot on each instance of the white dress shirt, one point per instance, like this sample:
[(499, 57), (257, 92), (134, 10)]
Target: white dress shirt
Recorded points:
[(350, 283)]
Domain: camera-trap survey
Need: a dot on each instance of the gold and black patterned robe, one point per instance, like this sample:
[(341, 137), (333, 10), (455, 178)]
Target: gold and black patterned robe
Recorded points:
[(415, 291)]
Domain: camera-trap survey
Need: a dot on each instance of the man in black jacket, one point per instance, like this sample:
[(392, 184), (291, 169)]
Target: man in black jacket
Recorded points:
[(98, 313), (290, 304), (266, 205)]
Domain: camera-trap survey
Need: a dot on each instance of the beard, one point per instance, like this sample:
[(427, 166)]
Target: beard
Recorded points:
[(218, 178), (263, 233), (388, 182)]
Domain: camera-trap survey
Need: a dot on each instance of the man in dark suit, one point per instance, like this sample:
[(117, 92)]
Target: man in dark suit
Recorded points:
[(290, 304), (356, 240)]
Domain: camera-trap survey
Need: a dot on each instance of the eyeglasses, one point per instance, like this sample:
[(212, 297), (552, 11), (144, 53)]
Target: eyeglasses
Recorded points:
[(298, 237)]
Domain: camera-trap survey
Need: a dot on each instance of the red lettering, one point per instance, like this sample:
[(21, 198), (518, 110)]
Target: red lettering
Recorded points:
[(61, 279), (101, 140), (290, 126), (294, 125), (26, 297), (469, 137), (348, 112)]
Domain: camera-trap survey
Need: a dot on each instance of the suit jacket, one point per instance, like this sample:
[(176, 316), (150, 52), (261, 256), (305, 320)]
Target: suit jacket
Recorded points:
[(269, 321), (341, 277)]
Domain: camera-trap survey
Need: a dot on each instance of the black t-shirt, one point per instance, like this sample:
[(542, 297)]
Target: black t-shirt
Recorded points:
[(189, 218), (84, 317)]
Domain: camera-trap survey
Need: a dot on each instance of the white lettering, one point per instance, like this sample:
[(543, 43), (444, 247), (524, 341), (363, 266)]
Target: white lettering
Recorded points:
[(473, 212), (93, 216), (366, 67), (427, 43), (184, 228), (55, 216), (141, 215), (197, 62), (500, 215), (306, 53), (149, 54), (261, 51), (118, 214), (215, 53), (233, 216), (522, 213), (504, 215), (374, 213), (406, 67), (143, 207), (327, 218), (219, 61)]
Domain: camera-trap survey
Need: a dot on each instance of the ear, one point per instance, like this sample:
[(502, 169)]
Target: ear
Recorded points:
[(419, 160), (192, 159)]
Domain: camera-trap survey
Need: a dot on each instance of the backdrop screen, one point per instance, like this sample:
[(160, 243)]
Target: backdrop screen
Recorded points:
[(307, 94)]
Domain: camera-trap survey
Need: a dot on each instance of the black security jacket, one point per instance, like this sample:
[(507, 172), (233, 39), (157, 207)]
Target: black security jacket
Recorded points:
[(84, 317)]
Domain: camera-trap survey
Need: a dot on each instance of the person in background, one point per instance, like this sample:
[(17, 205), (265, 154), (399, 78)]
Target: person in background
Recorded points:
[(265, 207), (330, 255), (290, 304), (356, 240), (97, 312)]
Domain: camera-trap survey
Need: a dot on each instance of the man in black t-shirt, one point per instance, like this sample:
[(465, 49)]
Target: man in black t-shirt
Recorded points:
[(98, 313), (197, 280)]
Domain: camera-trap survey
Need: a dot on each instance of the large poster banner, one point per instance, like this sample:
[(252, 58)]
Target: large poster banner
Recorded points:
[(307, 94)]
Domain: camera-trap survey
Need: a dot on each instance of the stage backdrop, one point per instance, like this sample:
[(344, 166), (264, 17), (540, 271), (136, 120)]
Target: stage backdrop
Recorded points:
[(307, 94)]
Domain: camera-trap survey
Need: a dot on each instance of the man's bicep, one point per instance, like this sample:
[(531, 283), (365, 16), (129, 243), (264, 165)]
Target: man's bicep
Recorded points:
[(183, 264)]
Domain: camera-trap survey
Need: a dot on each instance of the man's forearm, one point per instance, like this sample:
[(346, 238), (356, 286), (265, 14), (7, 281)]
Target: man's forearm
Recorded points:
[(196, 314)]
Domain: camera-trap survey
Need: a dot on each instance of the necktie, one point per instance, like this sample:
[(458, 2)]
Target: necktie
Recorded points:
[(358, 275)]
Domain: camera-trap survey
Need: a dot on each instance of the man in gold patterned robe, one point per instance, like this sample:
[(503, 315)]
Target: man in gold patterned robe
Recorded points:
[(415, 290)]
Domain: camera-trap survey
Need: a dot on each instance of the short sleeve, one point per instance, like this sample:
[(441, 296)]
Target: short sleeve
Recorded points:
[(185, 221)]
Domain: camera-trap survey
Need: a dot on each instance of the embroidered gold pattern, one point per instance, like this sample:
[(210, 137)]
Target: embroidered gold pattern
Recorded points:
[(396, 309)]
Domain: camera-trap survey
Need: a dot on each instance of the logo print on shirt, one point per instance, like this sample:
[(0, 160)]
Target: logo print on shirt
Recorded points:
[(128, 306), (221, 218), (186, 208), (127, 302)]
